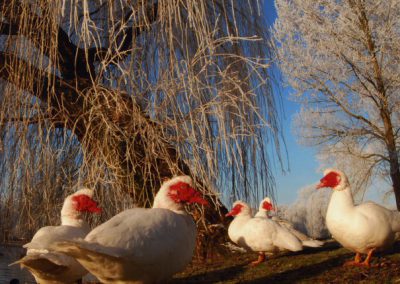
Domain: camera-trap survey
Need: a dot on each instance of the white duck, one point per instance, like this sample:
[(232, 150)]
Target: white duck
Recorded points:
[(48, 266), (264, 208), (267, 206), (259, 234), (363, 229), (142, 245)]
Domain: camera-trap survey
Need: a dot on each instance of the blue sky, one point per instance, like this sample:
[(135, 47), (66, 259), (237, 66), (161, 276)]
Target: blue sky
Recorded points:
[(302, 162)]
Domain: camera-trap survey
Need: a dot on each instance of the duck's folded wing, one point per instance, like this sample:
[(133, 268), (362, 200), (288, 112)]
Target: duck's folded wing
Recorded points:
[(42, 264), (283, 238), (46, 236)]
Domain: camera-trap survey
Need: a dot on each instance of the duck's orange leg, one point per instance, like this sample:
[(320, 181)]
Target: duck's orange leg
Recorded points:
[(367, 260), (356, 261), (261, 258)]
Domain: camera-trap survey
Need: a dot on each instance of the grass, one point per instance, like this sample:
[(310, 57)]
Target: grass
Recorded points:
[(322, 265)]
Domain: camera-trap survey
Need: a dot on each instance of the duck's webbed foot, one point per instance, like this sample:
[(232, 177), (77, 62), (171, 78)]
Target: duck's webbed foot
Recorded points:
[(261, 259), (357, 260)]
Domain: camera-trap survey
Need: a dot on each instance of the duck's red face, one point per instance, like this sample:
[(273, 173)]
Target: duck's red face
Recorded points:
[(268, 206), (332, 179), (235, 210), (182, 192), (84, 203)]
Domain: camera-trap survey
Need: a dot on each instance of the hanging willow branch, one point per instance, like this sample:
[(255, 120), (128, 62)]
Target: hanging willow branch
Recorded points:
[(118, 95)]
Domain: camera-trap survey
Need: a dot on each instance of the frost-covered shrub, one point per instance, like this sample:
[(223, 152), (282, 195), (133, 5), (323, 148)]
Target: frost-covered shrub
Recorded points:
[(307, 213)]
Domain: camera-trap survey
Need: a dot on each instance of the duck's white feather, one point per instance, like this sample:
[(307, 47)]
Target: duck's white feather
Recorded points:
[(146, 245), (139, 245), (360, 227), (261, 234), (51, 267), (306, 240)]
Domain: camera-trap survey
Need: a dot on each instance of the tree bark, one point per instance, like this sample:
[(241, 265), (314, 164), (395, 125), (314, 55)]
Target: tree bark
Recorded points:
[(393, 157)]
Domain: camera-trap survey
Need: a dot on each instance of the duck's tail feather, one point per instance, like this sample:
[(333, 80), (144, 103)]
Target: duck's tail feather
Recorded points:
[(40, 264), (89, 256), (312, 243)]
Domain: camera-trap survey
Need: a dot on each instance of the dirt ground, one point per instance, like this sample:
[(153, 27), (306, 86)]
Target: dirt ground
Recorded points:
[(321, 265)]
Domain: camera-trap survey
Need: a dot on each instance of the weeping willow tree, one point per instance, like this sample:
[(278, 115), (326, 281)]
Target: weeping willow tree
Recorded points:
[(118, 95)]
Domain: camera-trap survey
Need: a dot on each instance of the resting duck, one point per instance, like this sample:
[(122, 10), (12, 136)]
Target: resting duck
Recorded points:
[(365, 228), (264, 208), (259, 234), (267, 206), (48, 266), (142, 245)]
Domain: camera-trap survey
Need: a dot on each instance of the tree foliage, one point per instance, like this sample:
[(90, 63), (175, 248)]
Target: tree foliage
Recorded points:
[(307, 213), (342, 58), (117, 95)]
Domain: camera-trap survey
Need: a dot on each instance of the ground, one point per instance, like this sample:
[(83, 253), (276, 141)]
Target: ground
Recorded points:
[(322, 265)]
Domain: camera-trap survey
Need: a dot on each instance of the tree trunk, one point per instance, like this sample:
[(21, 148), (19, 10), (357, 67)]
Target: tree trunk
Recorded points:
[(393, 156), (395, 175)]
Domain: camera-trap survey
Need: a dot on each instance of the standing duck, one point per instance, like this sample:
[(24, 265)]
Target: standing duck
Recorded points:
[(259, 234), (363, 228), (51, 267), (142, 245)]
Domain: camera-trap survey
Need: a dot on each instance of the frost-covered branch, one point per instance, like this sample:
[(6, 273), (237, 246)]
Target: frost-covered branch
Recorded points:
[(341, 57)]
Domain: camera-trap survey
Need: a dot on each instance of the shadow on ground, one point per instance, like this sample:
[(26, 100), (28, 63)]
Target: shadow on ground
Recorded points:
[(225, 274), (313, 265), (302, 273), (241, 271)]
